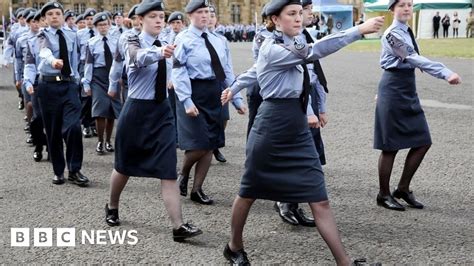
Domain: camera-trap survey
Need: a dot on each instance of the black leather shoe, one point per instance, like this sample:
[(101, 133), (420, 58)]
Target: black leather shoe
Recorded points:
[(111, 216), (86, 132), (94, 132), (109, 147), (201, 198), (409, 198), (286, 214), (99, 149), (21, 104), (25, 118), (363, 262), (303, 219), (37, 156), (389, 202), (238, 257), (58, 180), (27, 127), (183, 185), (219, 156), (186, 230), (79, 179), (29, 139)]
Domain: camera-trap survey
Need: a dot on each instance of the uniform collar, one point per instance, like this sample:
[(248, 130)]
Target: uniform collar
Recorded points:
[(400, 25), (148, 38), (197, 31), (52, 30)]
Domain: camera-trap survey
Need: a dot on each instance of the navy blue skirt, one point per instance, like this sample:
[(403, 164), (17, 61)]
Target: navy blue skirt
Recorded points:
[(400, 122), (282, 163), (206, 131), (145, 144), (102, 104)]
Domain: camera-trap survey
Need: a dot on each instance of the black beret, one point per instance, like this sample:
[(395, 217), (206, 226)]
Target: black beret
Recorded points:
[(149, 5), (51, 5), (176, 16), (90, 12), (275, 6), (30, 16), (99, 17), (117, 14), (391, 3), (18, 12), (131, 13), (193, 5), (68, 14), (37, 16), (26, 13), (307, 2), (79, 18)]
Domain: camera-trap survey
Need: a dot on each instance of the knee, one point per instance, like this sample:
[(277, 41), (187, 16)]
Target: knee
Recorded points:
[(322, 205)]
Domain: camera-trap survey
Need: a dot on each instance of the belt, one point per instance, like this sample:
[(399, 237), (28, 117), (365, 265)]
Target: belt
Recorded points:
[(400, 70), (58, 78)]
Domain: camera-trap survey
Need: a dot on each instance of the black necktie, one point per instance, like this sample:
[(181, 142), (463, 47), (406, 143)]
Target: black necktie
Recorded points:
[(107, 54), (412, 36), (160, 84), (304, 97), (91, 32), (215, 62), (317, 65), (121, 30), (63, 54)]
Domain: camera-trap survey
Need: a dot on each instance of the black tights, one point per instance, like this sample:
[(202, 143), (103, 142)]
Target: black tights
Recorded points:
[(412, 162)]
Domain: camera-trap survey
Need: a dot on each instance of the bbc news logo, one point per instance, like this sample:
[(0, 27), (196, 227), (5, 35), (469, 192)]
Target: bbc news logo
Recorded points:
[(66, 237)]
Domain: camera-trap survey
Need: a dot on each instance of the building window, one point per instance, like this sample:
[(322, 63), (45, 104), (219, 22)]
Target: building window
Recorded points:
[(235, 13), (80, 8), (35, 6), (118, 8)]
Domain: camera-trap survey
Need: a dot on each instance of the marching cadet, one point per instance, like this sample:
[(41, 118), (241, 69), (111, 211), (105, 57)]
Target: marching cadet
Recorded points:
[(176, 22), (145, 141), (200, 71), (20, 53), (282, 163), (70, 18), (400, 122), (31, 76), (118, 71), (58, 93), (83, 36), (98, 63), (10, 47), (225, 108), (80, 22), (119, 27)]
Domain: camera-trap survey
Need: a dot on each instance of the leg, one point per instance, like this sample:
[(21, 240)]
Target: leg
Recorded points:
[(200, 172), (327, 228), (190, 158), (414, 158), (240, 211), (72, 129), (100, 124), (170, 194), (109, 129), (117, 184), (386, 160)]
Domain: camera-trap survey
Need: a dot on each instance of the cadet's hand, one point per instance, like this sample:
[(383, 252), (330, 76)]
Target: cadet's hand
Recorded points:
[(454, 79), (168, 50), (371, 25), (323, 119), (57, 63), (242, 110), (313, 121), (226, 96), (30, 90), (193, 111), (18, 84), (112, 94), (170, 85)]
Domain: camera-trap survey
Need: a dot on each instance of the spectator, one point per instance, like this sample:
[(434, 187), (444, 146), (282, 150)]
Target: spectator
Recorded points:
[(446, 22), (330, 24), (456, 22), (469, 25), (436, 20)]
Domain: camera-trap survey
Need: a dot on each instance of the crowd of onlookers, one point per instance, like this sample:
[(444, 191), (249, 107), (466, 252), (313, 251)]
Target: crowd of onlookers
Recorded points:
[(446, 22)]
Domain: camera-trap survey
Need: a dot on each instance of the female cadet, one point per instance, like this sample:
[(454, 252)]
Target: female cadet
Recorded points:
[(282, 163), (118, 70), (400, 122), (31, 76), (145, 141), (98, 62), (80, 22), (201, 71)]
